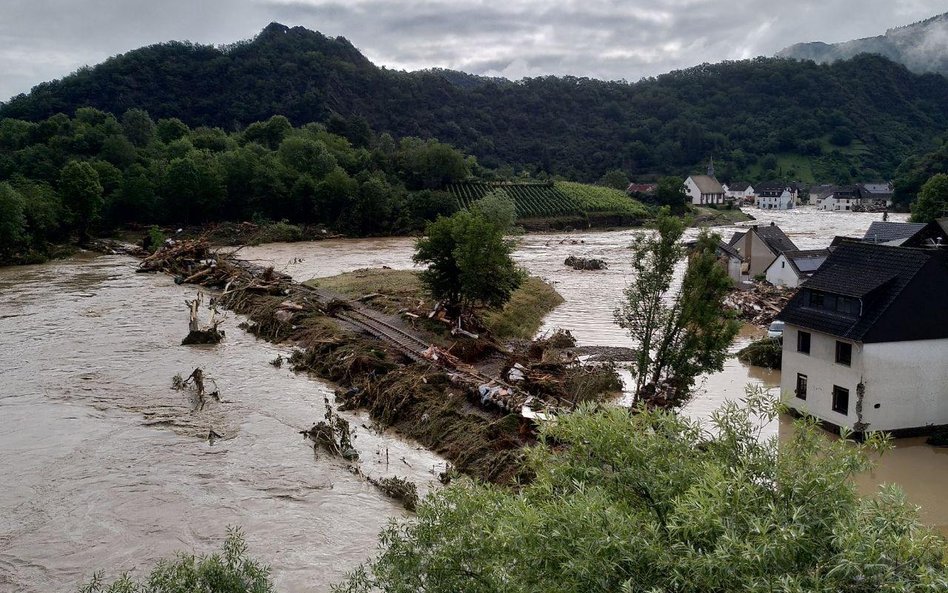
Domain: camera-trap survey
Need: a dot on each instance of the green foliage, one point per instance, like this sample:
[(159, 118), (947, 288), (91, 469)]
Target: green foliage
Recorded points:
[(82, 193), (531, 200), (679, 336), (653, 502), (12, 219), (578, 128), (469, 261), (916, 170), (932, 200), (670, 192), (615, 179), (602, 200), (228, 571), (156, 238), (498, 208)]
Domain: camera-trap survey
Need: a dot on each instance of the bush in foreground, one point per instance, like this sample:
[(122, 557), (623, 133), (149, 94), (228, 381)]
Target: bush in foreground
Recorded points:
[(229, 571), (653, 502)]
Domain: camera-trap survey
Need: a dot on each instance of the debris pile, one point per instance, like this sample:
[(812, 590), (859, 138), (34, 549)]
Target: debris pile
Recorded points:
[(582, 263), (760, 304), (397, 488), (333, 435)]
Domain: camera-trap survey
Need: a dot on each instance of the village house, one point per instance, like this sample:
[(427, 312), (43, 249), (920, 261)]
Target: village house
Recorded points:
[(908, 234), (705, 189), (818, 193), (866, 339), (760, 246), (641, 189), (875, 195), (740, 192), (777, 196), (791, 268), (842, 199)]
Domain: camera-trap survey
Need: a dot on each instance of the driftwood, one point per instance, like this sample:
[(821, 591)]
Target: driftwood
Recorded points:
[(197, 334), (760, 304)]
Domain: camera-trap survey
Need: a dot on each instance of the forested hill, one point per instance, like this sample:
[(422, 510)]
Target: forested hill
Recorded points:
[(759, 118), (921, 47)]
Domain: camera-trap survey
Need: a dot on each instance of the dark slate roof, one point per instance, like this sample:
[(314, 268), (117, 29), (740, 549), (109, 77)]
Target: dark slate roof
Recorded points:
[(775, 238), (878, 275), (806, 262), (729, 249), (737, 236), (738, 186), (884, 232)]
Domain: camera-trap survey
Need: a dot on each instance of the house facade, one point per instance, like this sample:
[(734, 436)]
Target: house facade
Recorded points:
[(740, 192), (759, 247), (843, 199), (777, 196), (866, 340), (791, 268), (704, 189)]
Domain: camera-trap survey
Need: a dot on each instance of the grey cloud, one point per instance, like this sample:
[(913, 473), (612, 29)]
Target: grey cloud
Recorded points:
[(609, 39)]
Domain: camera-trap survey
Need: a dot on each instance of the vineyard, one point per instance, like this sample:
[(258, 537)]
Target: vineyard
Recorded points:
[(598, 199), (533, 200), (549, 200)]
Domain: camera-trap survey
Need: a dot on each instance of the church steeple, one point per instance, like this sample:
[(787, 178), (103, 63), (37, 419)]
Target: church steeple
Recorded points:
[(711, 166)]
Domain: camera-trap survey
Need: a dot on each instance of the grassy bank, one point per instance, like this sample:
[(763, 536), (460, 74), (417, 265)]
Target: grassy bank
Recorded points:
[(391, 291), (703, 216)]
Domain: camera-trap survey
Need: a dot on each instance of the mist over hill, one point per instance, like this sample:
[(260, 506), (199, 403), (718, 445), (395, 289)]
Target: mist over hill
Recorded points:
[(921, 47)]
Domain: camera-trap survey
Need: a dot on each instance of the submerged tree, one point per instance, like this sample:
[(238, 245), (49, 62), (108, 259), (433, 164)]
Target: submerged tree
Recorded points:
[(653, 502), (677, 336)]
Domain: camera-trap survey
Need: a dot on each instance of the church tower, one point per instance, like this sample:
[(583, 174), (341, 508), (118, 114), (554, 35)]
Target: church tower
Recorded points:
[(711, 166)]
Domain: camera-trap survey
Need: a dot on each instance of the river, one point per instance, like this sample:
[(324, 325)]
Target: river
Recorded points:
[(106, 467)]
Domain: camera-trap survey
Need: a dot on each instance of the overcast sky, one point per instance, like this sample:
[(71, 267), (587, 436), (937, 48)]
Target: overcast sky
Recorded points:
[(610, 39)]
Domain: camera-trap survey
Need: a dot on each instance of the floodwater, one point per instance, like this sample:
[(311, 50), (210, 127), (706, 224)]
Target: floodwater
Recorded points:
[(105, 467), (591, 297)]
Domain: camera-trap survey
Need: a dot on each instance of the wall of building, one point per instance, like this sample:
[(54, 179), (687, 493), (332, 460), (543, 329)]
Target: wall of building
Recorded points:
[(822, 374), (907, 380), (755, 252), (691, 188), (781, 273)]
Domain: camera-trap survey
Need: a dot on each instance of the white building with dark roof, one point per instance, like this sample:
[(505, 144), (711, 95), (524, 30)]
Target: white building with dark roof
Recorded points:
[(792, 267), (705, 189), (760, 246), (865, 343)]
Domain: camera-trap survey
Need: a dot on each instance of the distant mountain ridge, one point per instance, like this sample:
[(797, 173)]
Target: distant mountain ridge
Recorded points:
[(921, 47), (761, 118)]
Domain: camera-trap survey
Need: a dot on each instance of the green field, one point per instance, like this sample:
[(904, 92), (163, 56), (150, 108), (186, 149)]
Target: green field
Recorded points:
[(551, 200)]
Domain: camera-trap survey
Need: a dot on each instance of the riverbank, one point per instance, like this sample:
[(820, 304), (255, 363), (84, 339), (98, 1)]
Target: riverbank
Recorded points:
[(396, 370)]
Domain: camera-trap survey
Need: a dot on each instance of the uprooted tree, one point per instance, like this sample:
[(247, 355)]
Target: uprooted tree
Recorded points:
[(468, 259), (679, 334)]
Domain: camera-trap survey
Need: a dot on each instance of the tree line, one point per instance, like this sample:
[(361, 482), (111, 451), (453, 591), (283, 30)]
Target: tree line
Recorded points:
[(762, 118), (71, 176)]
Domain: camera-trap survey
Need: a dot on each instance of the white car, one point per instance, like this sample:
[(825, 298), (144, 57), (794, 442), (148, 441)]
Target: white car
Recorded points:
[(775, 330)]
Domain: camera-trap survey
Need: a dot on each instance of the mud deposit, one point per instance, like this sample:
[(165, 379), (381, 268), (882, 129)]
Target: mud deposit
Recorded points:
[(106, 467)]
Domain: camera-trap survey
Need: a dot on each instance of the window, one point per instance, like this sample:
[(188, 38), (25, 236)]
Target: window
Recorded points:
[(803, 342), (840, 400), (801, 386), (844, 353)]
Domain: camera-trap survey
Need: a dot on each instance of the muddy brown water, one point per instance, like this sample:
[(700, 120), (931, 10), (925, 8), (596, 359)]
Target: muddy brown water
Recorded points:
[(591, 297), (105, 467)]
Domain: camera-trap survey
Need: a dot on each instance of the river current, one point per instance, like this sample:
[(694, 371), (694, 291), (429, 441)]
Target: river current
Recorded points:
[(105, 466)]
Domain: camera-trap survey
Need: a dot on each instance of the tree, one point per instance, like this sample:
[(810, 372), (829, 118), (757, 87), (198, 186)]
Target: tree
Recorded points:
[(12, 219), (169, 130), (932, 202), (138, 127), (670, 192), (469, 262), (82, 194), (616, 179), (194, 187), (677, 336), (654, 502), (498, 208)]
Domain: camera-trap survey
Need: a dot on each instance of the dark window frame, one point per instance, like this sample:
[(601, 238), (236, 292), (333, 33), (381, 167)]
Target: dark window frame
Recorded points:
[(800, 340), (844, 347), (841, 400), (801, 389)]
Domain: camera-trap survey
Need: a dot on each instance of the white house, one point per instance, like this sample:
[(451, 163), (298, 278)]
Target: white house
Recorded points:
[(760, 246), (841, 200), (865, 342), (793, 267), (876, 194), (777, 196), (740, 192)]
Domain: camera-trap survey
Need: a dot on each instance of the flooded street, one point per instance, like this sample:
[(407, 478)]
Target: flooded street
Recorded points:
[(104, 466), (107, 467)]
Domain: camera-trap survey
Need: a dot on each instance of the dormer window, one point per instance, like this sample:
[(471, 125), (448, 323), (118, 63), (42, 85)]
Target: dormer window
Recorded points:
[(831, 303)]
